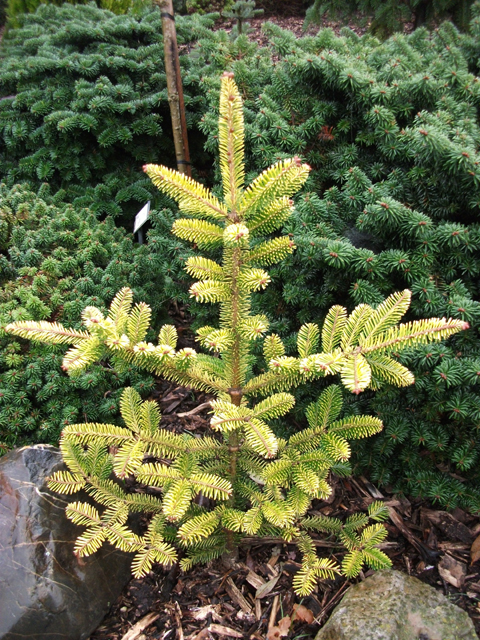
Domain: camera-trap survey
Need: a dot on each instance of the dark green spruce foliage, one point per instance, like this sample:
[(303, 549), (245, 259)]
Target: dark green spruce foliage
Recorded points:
[(392, 202), (56, 259), (384, 17), (15, 8), (85, 102)]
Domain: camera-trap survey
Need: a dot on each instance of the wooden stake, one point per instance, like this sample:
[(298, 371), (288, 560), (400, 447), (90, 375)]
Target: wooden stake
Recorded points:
[(273, 612), (174, 87)]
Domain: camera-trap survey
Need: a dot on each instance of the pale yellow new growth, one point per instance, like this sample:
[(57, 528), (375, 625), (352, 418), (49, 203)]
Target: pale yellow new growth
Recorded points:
[(230, 141)]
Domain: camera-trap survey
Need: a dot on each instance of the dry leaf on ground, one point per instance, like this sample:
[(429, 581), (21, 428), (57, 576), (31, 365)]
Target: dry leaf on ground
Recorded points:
[(452, 570), (302, 614), (268, 587), (475, 550), (280, 630)]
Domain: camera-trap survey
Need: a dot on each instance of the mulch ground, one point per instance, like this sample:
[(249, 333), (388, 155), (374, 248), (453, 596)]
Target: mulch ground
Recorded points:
[(250, 598)]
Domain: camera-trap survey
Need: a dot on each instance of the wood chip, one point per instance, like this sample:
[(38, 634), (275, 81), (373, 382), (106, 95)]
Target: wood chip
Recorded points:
[(258, 610), (254, 579), (452, 546), (474, 586), (224, 631), (202, 613), (372, 490), (140, 626), (272, 571), (450, 526), (475, 550), (178, 620), (273, 612), (333, 601), (237, 596), (172, 406), (426, 552), (452, 571)]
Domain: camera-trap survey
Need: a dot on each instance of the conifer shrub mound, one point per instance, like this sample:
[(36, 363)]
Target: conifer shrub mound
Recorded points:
[(14, 9), (384, 17), (85, 102), (54, 260)]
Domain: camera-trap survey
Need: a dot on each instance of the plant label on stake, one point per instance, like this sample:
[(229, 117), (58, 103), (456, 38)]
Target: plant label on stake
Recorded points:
[(140, 219)]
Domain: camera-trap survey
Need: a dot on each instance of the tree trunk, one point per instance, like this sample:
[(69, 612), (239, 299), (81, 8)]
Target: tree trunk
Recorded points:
[(174, 87), (420, 13)]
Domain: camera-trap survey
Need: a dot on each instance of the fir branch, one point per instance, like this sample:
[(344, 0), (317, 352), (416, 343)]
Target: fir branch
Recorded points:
[(192, 197), (49, 332)]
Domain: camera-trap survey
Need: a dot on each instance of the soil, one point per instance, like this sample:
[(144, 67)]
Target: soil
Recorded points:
[(249, 598), (294, 22)]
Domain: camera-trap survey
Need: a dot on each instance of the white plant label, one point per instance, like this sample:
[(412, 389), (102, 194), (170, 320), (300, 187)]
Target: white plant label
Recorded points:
[(141, 217)]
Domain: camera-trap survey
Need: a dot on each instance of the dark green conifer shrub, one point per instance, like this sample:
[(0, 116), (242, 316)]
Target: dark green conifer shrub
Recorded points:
[(241, 12), (391, 133), (200, 6), (387, 16), (56, 259), (470, 41), (15, 8), (85, 102)]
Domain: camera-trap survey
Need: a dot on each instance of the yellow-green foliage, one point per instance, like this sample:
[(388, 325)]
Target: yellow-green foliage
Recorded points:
[(260, 484)]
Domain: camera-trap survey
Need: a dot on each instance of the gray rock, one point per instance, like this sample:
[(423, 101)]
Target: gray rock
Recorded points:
[(46, 592), (390, 605)]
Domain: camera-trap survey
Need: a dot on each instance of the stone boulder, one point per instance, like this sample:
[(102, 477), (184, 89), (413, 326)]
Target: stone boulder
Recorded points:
[(46, 592), (390, 605)]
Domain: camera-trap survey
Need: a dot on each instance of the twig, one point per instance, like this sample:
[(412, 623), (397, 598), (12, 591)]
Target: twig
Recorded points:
[(140, 626), (178, 620), (332, 602), (273, 612), (201, 407)]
